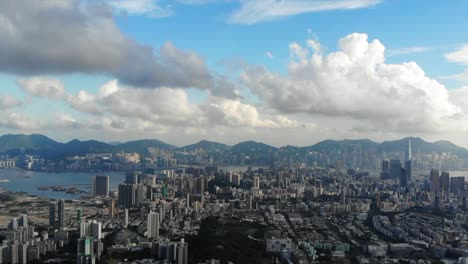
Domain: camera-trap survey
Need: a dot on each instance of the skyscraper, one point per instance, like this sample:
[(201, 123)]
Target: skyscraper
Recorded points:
[(153, 225), (127, 195), (61, 214), (101, 185), (408, 161), (435, 181), (395, 169), (85, 251), (131, 178), (52, 214), (444, 183)]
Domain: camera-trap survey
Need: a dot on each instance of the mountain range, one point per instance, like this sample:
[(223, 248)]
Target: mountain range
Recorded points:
[(37, 144)]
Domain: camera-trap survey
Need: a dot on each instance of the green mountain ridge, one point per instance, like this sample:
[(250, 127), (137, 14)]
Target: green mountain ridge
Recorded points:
[(37, 144)]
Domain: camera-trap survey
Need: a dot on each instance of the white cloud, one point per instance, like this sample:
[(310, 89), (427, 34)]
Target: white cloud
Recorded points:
[(7, 101), (254, 11), (408, 50), (120, 108), (462, 77), (43, 86), (355, 83), (149, 8), (17, 121), (459, 56)]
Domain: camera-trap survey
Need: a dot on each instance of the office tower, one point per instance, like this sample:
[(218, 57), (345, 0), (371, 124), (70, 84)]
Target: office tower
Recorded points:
[(52, 214), (395, 169), (23, 221), (408, 155), (85, 251), (126, 197), (153, 225), (131, 178), (408, 161), (385, 173), (256, 182), (457, 185), (444, 181), (101, 185), (61, 214), (140, 194), (435, 181), (126, 217), (403, 178)]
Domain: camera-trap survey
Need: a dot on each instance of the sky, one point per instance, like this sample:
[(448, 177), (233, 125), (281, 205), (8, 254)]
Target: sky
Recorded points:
[(282, 72)]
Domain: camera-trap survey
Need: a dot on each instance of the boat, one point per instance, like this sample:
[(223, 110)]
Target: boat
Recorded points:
[(4, 180)]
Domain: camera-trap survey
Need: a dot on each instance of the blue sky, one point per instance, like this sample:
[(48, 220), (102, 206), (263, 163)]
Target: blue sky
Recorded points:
[(222, 53)]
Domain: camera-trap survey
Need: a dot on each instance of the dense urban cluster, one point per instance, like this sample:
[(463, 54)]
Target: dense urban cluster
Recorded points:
[(288, 214)]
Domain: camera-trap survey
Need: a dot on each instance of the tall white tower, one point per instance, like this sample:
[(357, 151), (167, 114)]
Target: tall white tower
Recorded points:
[(153, 225)]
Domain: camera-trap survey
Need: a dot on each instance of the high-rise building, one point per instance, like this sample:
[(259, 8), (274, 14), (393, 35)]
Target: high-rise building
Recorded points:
[(101, 185), (61, 213), (126, 196), (85, 251), (408, 155), (444, 182), (457, 185), (385, 173), (52, 214), (435, 181), (23, 221), (131, 178), (395, 169), (256, 182), (91, 229), (408, 161), (140, 193), (153, 225), (126, 217), (182, 252)]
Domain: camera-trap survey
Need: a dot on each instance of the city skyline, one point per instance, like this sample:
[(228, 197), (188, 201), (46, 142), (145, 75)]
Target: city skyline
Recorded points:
[(183, 71)]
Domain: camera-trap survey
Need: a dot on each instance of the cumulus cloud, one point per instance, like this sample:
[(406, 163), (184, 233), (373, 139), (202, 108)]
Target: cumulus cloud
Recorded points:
[(41, 86), (7, 101), (18, 121), (254, 11), (67, 36), (355, 82), (459, 56), (118, 107)]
